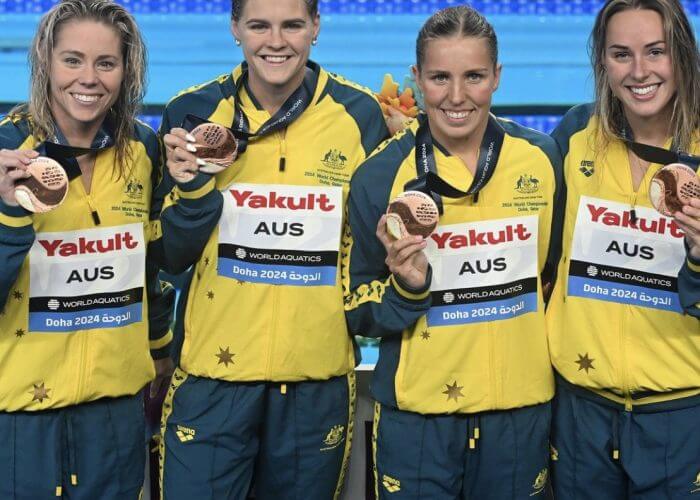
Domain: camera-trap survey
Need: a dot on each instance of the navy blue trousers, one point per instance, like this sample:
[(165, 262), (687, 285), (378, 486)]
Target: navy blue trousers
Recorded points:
[(89, 451), (602, 452), (292, 441), (497, 455)]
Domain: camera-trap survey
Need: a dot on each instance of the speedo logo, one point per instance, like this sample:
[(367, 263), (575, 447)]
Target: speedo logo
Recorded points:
[(474, 238), (83, 246), (608, 217), (272, 199)]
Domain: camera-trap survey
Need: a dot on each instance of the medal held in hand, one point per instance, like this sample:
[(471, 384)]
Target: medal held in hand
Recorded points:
[(673, 186), (216, 145), (47, 187), (412, 213)]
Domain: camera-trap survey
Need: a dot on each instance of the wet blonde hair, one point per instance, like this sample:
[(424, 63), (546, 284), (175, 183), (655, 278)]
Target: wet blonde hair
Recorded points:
[(133, 87), (683, 50)]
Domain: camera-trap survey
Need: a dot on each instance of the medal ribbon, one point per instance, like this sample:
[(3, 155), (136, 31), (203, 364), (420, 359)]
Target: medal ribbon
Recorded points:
[(429, 182)]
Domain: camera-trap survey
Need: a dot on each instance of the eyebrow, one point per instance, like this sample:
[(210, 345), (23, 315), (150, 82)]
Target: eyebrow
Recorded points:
[(80, 54), (618, 46), (265, 21), (470, 70)]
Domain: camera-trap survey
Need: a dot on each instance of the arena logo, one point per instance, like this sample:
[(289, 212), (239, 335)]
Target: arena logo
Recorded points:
[(587, 168)]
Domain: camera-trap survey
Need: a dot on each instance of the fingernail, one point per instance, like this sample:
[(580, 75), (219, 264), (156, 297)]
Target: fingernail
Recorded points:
[(191, 148), (201, 162), (190, 138)]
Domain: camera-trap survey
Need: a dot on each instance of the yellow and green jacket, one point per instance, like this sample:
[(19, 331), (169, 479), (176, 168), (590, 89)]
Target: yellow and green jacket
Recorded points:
[(623, 318), (80, 300), (474, 339), (264, 299)]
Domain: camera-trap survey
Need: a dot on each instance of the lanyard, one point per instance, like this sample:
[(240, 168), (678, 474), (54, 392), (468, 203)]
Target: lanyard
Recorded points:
[(428, 180), (292, 108), (654, 154), (58, 149)]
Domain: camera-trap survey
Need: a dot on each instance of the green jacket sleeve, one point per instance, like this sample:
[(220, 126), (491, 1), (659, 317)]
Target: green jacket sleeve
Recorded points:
[(689, 286), (189, 212), (377, 304)]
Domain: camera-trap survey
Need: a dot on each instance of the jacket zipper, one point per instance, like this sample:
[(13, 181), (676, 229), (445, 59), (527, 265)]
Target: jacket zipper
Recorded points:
[(283, 150)]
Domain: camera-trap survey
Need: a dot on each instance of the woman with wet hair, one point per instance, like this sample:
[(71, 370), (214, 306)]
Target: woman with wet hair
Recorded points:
[(623, 318), (463, 381), (81, 302), (265, 388)]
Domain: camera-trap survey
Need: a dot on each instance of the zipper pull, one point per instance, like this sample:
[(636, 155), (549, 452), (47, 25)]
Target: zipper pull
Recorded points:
[(283, 150), (95, 217), (633, 216)]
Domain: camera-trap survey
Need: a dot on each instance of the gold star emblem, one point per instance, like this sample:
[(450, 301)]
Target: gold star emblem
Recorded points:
[(225, 357), (40, 393), (17, 295), (585, 363), (425, 335), (20, 333), (453, 391), (210, 295)]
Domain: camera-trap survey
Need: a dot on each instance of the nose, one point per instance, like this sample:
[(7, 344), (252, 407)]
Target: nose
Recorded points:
[(456, 92), (88, 76), (276, 39), (640, 70)]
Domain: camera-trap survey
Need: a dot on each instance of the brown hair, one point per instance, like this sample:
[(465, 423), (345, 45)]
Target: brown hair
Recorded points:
[(237, 7), (460, 20), (683, 49)]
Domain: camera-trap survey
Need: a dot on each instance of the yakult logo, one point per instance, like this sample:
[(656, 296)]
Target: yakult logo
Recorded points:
[(272, 199), (83, 246), (608, 217), (474, 238)]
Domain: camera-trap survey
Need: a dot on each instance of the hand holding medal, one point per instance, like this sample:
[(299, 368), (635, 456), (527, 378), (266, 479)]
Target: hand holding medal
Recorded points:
[(216, 146), (672, 187), (37, 183), (412, 213), (45, 189)]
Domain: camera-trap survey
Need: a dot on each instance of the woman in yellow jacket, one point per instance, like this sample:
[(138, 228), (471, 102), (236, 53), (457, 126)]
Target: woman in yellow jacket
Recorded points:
[(81, 302), (623, 320)]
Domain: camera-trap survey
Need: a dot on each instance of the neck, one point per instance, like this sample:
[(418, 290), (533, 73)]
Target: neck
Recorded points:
[(272, 97), (78, 135), (653, 131), (466, 148)]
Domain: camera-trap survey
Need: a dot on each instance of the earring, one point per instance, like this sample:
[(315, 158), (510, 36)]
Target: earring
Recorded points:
[(238, 42), (314, 41)]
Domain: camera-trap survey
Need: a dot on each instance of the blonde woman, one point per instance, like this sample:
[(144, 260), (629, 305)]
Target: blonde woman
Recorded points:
[(623, 318), (80, 301)]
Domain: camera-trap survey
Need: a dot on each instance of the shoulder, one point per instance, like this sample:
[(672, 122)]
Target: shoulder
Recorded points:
[(357, 100), (200, 100), (536, 139), (575, 120), (382, 166), (14, 130), (144, 134)]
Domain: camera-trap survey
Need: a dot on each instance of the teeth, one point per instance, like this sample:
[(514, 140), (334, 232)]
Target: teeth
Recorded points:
[(275, 59), (86, 98), (644, 90), (456, 115)]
